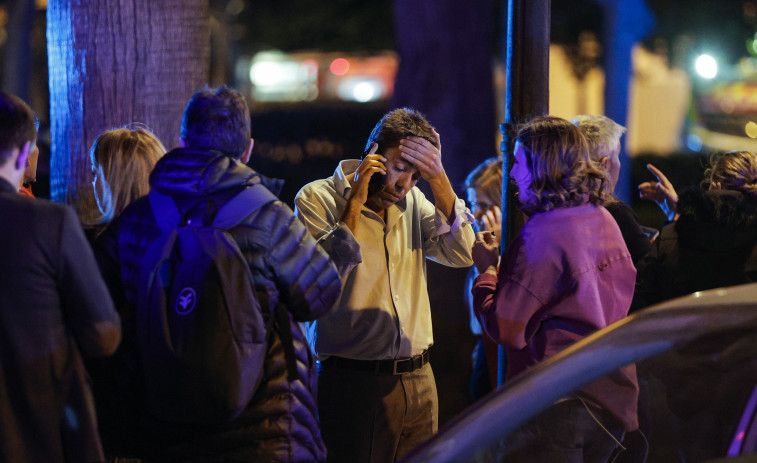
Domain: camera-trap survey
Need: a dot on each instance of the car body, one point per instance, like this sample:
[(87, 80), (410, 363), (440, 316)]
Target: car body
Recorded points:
[(698, 352)]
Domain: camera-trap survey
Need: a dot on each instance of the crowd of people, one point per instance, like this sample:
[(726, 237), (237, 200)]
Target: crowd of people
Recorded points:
[(338, 285)]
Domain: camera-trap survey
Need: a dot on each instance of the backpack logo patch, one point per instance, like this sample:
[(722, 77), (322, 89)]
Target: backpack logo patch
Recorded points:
[(186, 301)]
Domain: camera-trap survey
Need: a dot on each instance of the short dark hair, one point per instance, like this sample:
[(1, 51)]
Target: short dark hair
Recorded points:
[(18, 125), (218, 119), (398, 124)]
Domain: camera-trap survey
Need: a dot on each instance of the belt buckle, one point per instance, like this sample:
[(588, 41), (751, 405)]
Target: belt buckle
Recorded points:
[(394, 367), (418, 362)]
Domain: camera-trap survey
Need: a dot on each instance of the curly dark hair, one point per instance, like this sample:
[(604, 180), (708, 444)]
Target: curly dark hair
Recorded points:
[(562, 172)]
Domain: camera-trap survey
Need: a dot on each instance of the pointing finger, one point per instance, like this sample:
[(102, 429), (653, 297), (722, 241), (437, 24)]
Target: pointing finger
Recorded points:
[(658, 173)]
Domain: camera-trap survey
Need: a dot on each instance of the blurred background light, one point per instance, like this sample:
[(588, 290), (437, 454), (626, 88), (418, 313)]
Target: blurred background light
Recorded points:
[(361, 89), (751, 45), (364, 91), (339, 67), (308, 76), (309, 68), (279, 77), (693, 142), (706, 66), (751, 129)]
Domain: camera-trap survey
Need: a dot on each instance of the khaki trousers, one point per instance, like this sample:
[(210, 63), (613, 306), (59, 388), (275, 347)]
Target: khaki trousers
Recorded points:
[(375, 417)]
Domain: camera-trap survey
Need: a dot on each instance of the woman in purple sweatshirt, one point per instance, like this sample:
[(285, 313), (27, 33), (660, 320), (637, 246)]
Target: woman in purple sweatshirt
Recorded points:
[(566, 275)]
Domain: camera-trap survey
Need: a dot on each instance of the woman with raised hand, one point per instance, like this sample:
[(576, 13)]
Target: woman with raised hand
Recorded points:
[(713, 242)]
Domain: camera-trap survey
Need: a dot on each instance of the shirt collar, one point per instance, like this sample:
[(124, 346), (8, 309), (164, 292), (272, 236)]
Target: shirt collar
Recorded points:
[(345, 169)]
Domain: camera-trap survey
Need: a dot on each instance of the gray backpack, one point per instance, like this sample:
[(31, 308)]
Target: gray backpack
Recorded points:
[(200, 329)]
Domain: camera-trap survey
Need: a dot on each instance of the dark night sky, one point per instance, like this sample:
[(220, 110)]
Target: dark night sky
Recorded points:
[(356, 25)]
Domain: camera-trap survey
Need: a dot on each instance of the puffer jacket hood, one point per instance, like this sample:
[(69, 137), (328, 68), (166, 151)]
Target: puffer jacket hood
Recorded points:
[(189, 173)]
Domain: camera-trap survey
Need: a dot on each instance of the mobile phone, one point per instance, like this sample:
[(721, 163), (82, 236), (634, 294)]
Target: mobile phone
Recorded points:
[(376, 183)]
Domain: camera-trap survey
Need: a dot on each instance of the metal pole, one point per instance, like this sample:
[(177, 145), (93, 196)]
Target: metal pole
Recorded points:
[(527, 95)]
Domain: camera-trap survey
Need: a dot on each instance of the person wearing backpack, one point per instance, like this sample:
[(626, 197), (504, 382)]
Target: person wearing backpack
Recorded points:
[(200, 388)]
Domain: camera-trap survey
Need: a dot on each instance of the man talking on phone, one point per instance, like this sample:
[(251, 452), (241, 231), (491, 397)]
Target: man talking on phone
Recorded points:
[(377, 395)]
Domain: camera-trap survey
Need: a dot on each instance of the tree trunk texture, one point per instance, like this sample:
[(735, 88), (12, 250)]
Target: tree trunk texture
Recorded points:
[(18, 49), (114, 63), (445, 72)]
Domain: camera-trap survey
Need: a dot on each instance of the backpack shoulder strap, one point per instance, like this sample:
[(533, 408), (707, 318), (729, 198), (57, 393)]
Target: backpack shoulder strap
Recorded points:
[(242, 205), (165, 211)]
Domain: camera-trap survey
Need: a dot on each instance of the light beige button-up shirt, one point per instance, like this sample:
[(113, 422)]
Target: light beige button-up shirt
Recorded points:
[(384, 310)]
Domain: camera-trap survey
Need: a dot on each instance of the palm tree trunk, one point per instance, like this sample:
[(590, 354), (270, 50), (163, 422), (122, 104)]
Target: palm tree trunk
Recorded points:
[(113, 63)]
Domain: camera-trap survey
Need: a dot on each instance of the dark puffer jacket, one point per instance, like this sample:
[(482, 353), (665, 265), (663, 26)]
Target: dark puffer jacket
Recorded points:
[(280, 424), (712, 244)]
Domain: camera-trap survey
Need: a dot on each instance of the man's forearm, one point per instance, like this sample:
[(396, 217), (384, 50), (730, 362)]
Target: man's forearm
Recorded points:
[(351, 216), (444, 195)]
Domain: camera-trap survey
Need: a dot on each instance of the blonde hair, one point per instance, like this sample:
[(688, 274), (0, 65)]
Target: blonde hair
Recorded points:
[(734, 170), (487, 178), (602, 134), (122, 160), (562, 173)]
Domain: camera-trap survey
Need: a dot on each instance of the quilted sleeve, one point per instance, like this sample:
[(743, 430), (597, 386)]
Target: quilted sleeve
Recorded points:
[(306, 276)]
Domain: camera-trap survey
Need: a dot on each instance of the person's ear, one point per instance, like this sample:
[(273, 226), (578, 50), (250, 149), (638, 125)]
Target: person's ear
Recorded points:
[(245, 158), (603, 162), (23, 156), (716, 186)]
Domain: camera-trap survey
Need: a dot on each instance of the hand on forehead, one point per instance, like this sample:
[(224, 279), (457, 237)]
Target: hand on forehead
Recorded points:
[(394, 157), (422, 154)]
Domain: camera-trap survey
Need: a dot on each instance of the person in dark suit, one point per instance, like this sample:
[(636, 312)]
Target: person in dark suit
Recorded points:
[(54, 308)]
